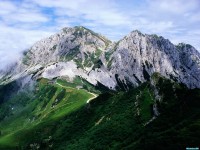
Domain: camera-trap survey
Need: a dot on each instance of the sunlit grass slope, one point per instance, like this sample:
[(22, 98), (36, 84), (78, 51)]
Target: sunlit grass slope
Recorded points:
[(51, 103)]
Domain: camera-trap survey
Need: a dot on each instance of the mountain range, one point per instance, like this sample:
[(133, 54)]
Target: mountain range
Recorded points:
[(131, 61), (69, 89)]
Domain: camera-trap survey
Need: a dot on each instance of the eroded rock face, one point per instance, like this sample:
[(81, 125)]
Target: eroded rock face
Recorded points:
[(137, 57), (129, 62), (71, 43)]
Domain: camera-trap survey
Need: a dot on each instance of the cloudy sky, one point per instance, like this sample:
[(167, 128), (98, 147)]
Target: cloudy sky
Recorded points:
[(23, 22)]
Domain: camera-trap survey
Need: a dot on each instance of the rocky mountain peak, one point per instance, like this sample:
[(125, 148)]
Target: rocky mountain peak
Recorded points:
[(136, 32), (65, 45), (138, 56), (78, 51)]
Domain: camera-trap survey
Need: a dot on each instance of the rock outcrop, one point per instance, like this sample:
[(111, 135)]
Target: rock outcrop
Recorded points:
[(137, 56), (129, 62)]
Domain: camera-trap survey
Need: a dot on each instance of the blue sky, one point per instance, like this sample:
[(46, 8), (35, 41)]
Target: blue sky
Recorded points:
[(23, 22)]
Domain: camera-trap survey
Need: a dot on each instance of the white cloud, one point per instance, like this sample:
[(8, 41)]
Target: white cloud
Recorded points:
[(24, 22), (26, 17), (6, 7), (70, 4), (62, 22), (194, 17), (14, 13), (13, 41), (174, 6), (103, 12)]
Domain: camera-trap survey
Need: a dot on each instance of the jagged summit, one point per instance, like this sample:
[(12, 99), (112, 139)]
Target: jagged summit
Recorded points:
[(136, 32), (79, 51), (84, 30)]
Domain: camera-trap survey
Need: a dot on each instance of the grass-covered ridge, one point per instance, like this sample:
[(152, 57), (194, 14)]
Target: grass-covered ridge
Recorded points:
[(51, 102), (115, 120)]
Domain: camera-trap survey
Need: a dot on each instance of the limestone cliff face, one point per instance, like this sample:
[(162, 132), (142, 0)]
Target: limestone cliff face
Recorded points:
[(137, 56), (132, 60), (71, 52), (71, 43)]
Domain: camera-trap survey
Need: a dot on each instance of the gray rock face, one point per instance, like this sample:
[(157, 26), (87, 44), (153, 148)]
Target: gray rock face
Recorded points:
[(137, 57), (132, 60), (71, 43)]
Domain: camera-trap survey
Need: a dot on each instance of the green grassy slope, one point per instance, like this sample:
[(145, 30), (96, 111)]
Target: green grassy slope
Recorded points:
[(51, 102), (111, 121)]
